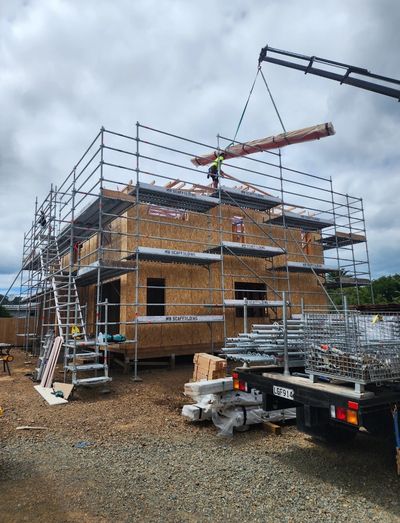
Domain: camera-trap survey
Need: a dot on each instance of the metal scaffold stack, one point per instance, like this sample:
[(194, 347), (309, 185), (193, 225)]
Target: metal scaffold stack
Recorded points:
[(134, 206), (266, 345)]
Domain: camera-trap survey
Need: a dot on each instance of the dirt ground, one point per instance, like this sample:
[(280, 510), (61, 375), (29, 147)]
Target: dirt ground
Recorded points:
[(141, 461)]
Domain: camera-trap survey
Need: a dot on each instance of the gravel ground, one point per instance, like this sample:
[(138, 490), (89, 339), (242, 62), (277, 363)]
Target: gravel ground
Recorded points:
[(146, 463)]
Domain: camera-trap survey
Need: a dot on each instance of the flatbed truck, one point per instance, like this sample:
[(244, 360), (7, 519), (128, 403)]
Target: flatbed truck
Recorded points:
[(330, 411)]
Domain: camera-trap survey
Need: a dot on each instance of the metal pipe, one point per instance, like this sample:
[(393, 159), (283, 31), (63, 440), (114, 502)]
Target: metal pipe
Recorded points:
[(245, 315), (286, 371)]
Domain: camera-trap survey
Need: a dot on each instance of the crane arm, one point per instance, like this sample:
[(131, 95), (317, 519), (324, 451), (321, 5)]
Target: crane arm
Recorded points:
[(375, 83)]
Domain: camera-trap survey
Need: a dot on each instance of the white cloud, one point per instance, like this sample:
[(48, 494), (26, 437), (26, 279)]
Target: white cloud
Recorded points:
[(69, 67)]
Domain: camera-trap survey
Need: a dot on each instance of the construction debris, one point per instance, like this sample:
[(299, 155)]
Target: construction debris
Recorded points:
[(272, 428), (208, 367), (30, 427)]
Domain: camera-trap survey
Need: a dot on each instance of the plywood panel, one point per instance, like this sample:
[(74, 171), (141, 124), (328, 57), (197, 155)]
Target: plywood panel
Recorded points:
[(166, 339)]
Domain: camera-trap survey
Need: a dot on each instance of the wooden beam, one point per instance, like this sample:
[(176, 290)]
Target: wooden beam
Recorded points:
[(118, 195), (271, 142), (271, 428)]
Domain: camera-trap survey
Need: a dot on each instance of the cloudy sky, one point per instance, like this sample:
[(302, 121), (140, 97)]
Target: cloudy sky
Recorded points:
[(67, 67)]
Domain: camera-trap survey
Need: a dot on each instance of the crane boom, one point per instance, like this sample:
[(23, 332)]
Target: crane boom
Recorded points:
[(378, 85)]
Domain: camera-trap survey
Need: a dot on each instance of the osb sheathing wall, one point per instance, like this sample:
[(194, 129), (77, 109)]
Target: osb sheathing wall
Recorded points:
[(113, 245), (198, 233)]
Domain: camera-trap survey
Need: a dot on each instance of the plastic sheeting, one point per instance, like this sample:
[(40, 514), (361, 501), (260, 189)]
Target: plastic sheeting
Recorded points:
[(231, 410), (201, 410), (237, 417), (307, 134)]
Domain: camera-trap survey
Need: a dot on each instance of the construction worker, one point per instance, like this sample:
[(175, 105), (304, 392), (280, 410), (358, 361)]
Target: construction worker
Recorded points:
[(215, 170), (42, 219)]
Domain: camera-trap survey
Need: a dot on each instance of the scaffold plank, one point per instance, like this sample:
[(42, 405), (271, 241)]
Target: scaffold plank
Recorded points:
[(175, 256), (108, 269), (204, 318), (318, 268), (348, 282), (341, 239), (248, 249), (253, 303), (299, 221)]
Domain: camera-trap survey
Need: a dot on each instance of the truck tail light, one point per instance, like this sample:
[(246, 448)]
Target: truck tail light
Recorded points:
[(238, 384), (344, 414), (352, 417), (242, 386), (352, 405), (235, 377), (341, 413)]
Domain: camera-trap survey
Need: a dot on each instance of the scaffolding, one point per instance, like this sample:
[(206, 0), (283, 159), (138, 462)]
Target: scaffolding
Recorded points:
[(132, 202)]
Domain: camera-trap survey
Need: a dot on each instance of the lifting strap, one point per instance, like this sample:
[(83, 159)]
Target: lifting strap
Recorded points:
[(259, 70), (245, 106), (272, 100)]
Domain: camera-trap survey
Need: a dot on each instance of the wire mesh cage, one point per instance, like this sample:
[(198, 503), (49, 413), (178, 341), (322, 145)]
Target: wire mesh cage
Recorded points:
[(355, 347)]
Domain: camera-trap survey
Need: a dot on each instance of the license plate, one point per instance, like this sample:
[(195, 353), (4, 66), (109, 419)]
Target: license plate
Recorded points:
[(282, 392)]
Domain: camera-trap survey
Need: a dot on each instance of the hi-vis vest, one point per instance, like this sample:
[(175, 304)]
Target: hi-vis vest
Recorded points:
[(218, 162)]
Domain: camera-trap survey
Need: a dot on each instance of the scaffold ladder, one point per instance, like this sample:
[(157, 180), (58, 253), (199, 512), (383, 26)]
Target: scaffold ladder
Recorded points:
[(71, 323)]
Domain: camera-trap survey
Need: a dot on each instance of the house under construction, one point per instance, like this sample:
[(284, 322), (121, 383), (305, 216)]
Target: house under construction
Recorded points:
[(136, 242)]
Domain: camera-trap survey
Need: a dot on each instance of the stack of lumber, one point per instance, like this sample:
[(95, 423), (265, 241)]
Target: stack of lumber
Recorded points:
[(45, 388), (271, 142), (48, 373), (208, 367), (201, 388)]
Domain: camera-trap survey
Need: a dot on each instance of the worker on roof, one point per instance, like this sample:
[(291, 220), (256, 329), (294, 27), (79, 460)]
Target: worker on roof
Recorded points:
[(215, 171)]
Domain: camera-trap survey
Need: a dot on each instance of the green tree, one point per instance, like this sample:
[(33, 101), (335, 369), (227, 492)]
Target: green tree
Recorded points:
[(386, 290), (4, 312)]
